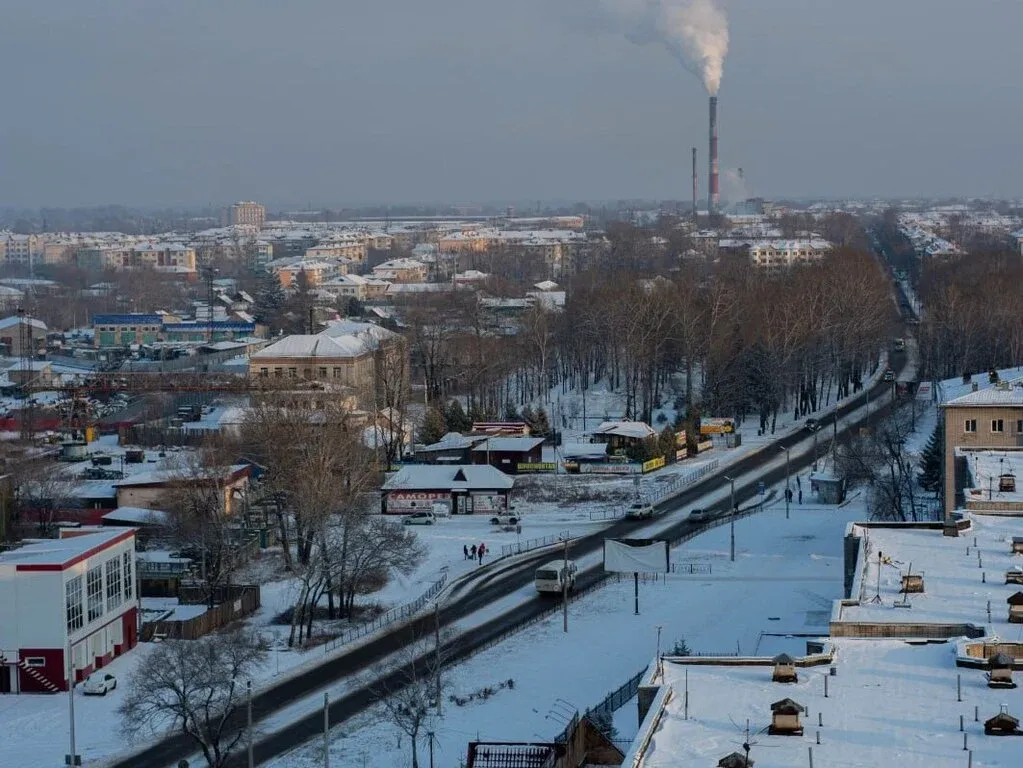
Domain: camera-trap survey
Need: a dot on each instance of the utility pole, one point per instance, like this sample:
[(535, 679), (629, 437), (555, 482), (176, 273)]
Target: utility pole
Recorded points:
[(73, 757), (564, 587), (326, 730), (731, 481), (436, 652), (248, 716)]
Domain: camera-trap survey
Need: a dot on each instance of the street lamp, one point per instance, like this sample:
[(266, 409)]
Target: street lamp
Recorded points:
[(788, 490), (731, 481)]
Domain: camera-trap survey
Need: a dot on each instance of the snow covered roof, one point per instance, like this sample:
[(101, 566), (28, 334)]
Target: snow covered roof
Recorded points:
[(508, 444), (136, 516), (63, 552), (163, 476), (633, 429), (13, 320), (1006, 395), (317, 345), (457, 477), (583, 450)]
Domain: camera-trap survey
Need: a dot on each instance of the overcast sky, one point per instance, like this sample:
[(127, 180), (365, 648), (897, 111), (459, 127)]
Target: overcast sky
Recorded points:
[(344, 101)]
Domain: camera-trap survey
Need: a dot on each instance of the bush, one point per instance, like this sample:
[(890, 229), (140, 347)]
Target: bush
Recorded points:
[(681, 648)]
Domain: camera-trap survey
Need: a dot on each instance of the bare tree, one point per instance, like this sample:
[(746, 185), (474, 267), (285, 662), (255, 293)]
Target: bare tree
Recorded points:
[(43, 491), (410, 697), (196, 687)]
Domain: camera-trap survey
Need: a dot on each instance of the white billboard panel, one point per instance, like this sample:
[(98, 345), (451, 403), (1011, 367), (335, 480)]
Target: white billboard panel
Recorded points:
[(635, 556)]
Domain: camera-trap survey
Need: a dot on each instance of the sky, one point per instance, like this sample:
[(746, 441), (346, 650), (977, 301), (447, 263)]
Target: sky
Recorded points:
[(333, 102)]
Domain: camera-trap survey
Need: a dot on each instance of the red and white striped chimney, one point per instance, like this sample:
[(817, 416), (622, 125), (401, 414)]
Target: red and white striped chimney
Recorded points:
[(713, 193)]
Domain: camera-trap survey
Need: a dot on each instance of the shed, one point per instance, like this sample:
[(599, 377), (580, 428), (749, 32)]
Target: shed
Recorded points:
[(453, 448), (1002, 724), (1000, 671), (1014, 575), (912, 582), (1017, 545), (735, 760), (784, 669), (507, 453), (785, 718), (830, 489), (1015, 608)]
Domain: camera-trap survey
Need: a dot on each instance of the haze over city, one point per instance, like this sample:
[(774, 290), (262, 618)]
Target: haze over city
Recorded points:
[(330, 103)]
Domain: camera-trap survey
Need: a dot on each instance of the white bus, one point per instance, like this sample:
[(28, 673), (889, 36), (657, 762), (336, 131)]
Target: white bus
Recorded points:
[(553, 577)]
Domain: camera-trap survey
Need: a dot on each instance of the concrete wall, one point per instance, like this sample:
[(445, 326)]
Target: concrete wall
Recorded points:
[(956, 436)]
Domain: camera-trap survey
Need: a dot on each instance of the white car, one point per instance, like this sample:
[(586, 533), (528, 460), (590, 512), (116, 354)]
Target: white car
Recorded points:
[(420, 518), (99, 684), (639, 511)]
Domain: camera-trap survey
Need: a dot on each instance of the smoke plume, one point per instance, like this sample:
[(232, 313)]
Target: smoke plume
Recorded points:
[(694, 31)]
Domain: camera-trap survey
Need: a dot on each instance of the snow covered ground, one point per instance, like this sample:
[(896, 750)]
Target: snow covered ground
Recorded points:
[(890, 703), (783, 580)]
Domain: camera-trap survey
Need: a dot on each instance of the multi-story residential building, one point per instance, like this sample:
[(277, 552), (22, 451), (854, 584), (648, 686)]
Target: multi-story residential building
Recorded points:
[(11, 335), (246, 213), (316, 272), (984, 419), (164, 257), (24, 249), (401, 271), (346, 246), (76, 593), (357, 287)]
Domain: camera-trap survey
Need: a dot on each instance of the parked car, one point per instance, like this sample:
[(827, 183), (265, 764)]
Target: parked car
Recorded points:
[(697, 515), (639, 510), (812, 424), (420, 518), (505, 519), (555, 577), (99, 684)]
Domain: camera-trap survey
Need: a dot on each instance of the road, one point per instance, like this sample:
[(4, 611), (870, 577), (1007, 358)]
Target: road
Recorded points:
[(489, 587)]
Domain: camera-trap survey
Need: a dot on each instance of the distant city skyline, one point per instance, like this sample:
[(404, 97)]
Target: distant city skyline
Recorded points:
[(193, 103)]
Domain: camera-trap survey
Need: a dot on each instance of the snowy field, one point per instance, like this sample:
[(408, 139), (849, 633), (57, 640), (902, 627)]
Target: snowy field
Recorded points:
[(890, 703), (784, 578)]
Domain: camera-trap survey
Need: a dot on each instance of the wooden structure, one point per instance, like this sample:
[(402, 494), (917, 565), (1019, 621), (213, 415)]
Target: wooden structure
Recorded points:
[(1000, 671), (785, 718), (912, 582), (1002, 724), (735, 760), (785, 669), (1007, 483), (1015, 608), (1014, 576), (1017, 545)]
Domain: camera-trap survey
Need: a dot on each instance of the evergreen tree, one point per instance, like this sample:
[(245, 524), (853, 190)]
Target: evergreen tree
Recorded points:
[(511, 413), (931, 460), (477, 414), (456, 419), (530, 418), (270, 298), (542, 425), (667, 443), (433, 428)]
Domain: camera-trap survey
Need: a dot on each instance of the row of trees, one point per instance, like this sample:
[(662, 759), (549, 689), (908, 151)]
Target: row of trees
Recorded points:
[(753, 343)]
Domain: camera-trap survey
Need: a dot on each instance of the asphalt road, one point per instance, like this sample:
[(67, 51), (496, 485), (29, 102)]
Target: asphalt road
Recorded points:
[(489, 588)]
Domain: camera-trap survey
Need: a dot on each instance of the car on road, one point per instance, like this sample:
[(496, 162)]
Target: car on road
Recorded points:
[(555, 577), (698, 515), (505, 519), (812, 424), (420, 518), (639, 510), (889, 375), (99, 684)]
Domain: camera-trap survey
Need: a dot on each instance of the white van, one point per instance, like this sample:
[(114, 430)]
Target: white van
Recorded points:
[(552, 577)]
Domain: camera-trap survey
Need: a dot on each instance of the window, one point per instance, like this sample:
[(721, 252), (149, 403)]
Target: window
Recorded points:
[(114, 595), (293, 373), (323, 373), (264, 372), (337, 373), (1019, 426), (997, 425), (73, 597), (94, 592), (970, 426), (129, 573), (35, 661)]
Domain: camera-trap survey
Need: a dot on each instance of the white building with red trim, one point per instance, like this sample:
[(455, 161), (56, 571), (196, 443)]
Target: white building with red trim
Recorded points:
[(78, 592)]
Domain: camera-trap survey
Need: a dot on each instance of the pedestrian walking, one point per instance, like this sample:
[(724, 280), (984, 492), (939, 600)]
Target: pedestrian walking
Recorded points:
[(800, 495), (482, 550), (799, 484), (465, 551), (473, 551)]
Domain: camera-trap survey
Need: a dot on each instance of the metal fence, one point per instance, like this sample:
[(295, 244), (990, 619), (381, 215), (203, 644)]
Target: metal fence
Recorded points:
[(400, 613), (657, 494), (692, 569), (530, 544)]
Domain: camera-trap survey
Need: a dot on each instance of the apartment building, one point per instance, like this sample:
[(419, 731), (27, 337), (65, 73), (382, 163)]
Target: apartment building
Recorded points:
[(247, 213), (401, 271), (980, 420)]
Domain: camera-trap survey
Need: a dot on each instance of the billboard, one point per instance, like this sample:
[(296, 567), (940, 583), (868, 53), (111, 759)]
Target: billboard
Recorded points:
[(406, 502), (636, 556), (609, 469)]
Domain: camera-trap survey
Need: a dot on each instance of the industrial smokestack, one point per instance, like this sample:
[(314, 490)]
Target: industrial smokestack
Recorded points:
[(713, 195), (696, 188)]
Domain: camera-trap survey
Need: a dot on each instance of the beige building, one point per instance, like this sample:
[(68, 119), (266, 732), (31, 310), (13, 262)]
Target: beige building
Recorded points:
[(247, 213), (401, 271), (980, 420), (153, 490), (347, 357)]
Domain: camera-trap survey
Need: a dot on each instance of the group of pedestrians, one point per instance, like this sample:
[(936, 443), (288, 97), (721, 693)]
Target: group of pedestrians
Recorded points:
[(475, 552)]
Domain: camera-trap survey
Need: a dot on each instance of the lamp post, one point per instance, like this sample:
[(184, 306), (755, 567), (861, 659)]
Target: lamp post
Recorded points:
[(731, 481), (788, 490)]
